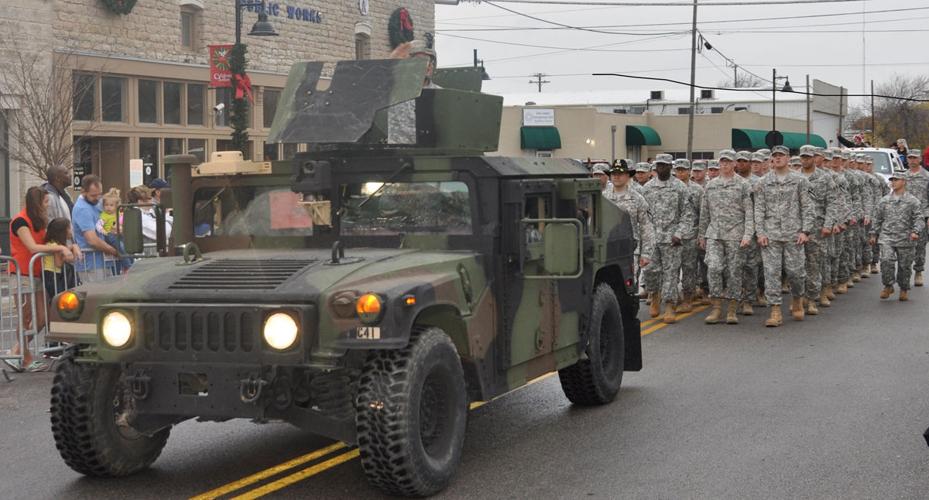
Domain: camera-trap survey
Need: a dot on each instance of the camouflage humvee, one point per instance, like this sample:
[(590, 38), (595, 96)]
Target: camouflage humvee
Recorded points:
[(365, 291)]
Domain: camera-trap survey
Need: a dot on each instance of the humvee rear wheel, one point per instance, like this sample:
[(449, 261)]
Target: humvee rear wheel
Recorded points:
[(90, 409), (596, 379), (412, 407)]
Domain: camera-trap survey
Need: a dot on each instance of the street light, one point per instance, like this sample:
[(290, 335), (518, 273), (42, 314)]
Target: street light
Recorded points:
[(262, 27), (240, 81), (774, 138)]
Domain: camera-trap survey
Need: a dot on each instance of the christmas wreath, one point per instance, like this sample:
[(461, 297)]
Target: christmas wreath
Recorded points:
[(120, 6), (400, 27)]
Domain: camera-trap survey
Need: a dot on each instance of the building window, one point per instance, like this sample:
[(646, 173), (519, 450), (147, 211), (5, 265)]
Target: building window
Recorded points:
[(716, 110), (224, 97), (113, 93), (148, 101), (270, 106), (362, 46), (190, 17), (270, 152), (148, 152), (290, 150), (172, 103), (195, 98), (4, 171), (174, 147), (84, 90), (197, 147), (226, 145), (683, 111)]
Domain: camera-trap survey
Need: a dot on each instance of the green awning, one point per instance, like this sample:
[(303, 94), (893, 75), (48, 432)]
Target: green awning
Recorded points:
[(746, 138), (540, 138), (640, 135)]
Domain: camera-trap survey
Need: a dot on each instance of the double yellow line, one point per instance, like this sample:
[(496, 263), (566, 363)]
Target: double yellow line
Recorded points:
[(339, 453)]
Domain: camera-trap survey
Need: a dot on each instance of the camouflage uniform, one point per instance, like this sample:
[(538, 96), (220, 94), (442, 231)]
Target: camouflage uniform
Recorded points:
[(751, 265), (726, 218), (671, 216), (825, 213), (884, 190), (690, 270), (875, 184), (895, 218), (839, 269), (635, 205), (852, 256), (782, 211), (917, 185)]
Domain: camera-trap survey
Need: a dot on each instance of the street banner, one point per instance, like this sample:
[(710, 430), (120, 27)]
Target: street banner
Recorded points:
[(220, 71)]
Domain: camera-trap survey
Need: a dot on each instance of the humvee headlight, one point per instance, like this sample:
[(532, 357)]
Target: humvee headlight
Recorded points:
[(280, 331), (369, 308), (117, 329), (69, 305)]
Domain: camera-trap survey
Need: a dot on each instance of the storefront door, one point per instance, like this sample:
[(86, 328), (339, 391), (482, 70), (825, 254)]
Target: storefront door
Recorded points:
[(113, 163)]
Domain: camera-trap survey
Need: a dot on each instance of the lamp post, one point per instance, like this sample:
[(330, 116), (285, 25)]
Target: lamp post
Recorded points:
[(237, 63), (773, 135)]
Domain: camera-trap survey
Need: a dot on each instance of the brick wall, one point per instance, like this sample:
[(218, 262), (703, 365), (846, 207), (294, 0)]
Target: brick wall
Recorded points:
[(152, 30)]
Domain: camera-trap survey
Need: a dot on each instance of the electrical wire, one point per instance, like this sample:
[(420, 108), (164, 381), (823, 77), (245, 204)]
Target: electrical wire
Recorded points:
[(534, 18), (516, 44), (674, 4)]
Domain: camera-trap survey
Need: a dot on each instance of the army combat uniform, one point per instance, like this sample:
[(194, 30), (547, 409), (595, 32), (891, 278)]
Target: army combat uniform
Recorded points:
[(671, 217), (690, 271), (635, 205), (825, 211), (917, 184), (783, 211), (895, 220), (752, 268), (726, 219)]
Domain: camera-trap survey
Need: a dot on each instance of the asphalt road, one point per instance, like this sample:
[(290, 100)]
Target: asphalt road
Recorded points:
[(833, 407)]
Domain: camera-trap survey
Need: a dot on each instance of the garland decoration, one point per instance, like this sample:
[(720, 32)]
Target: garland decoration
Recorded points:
[(122, 7), (400, 27), (238, 115)]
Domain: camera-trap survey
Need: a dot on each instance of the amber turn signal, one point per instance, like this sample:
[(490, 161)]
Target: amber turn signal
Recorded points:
[(369, 307), (69, 305)]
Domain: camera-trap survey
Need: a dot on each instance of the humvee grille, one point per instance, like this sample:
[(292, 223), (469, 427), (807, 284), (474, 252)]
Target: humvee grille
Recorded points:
[(236, 274), (192, 330)]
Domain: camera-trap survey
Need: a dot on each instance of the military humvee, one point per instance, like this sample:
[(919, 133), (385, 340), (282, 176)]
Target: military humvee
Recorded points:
[(366, 291)]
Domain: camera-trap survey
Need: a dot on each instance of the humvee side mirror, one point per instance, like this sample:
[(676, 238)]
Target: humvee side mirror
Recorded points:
[(133, 242)]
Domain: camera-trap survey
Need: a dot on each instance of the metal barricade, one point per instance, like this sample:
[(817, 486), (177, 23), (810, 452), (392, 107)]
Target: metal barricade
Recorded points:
[(11, 319)]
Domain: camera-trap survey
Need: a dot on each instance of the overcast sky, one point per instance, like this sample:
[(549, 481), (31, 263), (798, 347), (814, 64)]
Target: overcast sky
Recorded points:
[(830, 48)]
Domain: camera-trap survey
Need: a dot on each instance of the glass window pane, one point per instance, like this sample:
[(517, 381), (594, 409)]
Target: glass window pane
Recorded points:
[(290, 150), (270, 106), (195, 103), (197, 147), (172, 98), (226, 145), (187, 29), (113, 90), (84, 89), (148, 151), (148, 101), (270, 152), (174, 146), (224, 97)]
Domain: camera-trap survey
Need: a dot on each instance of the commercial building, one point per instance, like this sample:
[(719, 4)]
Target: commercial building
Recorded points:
[(147, 73)]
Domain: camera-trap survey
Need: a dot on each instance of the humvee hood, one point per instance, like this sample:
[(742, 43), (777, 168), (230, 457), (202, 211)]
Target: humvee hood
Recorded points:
[(264, 276)]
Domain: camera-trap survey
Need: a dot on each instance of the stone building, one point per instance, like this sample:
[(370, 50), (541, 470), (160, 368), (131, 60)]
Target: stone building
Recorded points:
[(147, 71)]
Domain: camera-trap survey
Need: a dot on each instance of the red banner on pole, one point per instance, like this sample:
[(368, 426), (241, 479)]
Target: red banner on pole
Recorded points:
[(220, 71)]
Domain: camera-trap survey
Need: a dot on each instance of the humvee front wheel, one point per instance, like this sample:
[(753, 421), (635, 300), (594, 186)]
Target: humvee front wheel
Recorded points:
[(595, 380), (411, 411), (89, 410)]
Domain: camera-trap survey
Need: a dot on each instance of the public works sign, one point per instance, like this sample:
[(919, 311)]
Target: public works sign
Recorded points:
[(220, 71)]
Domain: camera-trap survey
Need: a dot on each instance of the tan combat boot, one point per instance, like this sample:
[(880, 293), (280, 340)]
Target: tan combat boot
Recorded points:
[(747, 309), (842, 289), (669, 316), (716, 314), (887, 292), (760, 299), (875, 269), (856, 277), (796, 308), (686, 304), (731, 317), (654, 305), (811, 309), (904, 295), (704, 298), (850, 284), (775, 319), (918, 280), (866, 271), (824, 298)]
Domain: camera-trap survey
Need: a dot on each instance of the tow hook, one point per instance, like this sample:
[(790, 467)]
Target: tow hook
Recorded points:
[(250, 389), (140, 385)]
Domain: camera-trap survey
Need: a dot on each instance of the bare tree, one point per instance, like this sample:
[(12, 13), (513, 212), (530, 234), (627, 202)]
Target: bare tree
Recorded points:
[(743, 80), (40, 119), (900, 118)]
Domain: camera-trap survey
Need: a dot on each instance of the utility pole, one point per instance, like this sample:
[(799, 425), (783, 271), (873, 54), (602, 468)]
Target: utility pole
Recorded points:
[(841, 109), (873, 129), (539, 81), (693, 79), (774, 99), (808, 104), (735, 76)]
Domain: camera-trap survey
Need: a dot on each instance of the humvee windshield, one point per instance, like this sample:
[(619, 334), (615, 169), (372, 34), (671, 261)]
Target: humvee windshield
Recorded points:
[(250, 211), (405, 208)]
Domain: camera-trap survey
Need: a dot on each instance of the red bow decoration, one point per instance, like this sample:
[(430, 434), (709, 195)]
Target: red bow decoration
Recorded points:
[(406, 24), (243, 87)]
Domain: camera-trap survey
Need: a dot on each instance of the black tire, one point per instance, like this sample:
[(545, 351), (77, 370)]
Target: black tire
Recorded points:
[(411, 412), (595, 380), (87, 401)]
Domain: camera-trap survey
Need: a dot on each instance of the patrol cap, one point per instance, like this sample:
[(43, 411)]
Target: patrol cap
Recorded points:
[(828, 154), (643, 166), (665, 159), (846, 154), (780, 150), (759, 157), (807, 150), (868, 160), (726, 154), (682, 163), (424, 47), (766, 152), (913, 153), (699, 165), (897, 175), (795, 161), (713, 165), (600, 168), (743, 155), (818, 152)]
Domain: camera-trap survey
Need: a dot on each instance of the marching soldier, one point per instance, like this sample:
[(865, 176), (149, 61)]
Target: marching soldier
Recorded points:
[(600, 171), (643, 173), (698, 177), (626, 197), (795, 163), (726, 231), (698, 173), (672, 218), (917, 184), (752, 261), (840, 271), (828, 249), (825, 212), (690, 272), (898, 222), (712, 170), (884, 191), (783, 222), (875, 193)]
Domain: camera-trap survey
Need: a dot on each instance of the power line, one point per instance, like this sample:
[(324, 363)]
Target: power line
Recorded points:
[(728, 89), (639, 40), (674, 4), (572, 49), (534, 18)]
